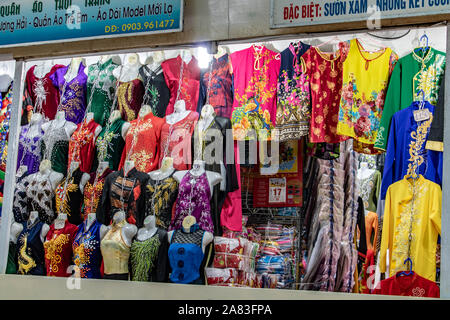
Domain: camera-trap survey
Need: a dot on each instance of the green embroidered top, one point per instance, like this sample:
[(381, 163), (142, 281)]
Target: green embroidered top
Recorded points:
[(143, 256), (110, 144), (103, 83), (412, 73)]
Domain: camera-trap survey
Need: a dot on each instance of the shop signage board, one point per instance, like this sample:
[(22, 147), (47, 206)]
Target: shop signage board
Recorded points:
[(35, 22), (292, 13)]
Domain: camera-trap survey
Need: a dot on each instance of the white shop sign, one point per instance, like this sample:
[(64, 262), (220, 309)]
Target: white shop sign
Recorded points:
[(292, 13)]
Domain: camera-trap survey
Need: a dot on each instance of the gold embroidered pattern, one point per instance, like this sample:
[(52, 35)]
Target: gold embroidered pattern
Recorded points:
[(416, 147), (26, 263), (141, 159), (63, 207), (53, 249), (123, 91)]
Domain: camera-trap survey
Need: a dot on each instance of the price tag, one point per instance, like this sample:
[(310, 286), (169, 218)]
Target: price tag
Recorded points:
[(277, 190), (421, 115)]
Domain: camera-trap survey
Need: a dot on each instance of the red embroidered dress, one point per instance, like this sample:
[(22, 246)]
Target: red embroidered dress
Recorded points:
[(190, 82), (412, 285), (179, 146), (58, 250), (93, 192), (82, 145), (324, 71), (255, 71), (145, 134), (44, 95)]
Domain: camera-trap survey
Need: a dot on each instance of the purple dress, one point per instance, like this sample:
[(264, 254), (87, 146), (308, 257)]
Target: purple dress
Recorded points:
[(29, 150), (73, 93), (193, 194)]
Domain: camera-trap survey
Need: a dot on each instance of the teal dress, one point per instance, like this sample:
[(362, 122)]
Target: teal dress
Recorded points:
[(100, 90), (110, 144)]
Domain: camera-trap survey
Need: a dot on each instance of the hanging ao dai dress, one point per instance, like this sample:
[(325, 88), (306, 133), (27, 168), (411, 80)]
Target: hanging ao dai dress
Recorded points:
[(44, 95), (72, 93), (69, 197), (418, 202), (82, 144), (101, 86), (142, 143), (293, 95), (365, 80), (190, 83), (255, 71), (414, 72), (157, 93), (406, 153), (220, 87), (324, 71)]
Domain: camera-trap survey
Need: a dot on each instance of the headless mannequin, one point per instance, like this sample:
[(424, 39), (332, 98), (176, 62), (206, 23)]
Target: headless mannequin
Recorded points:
[(16, 229), (128, 230), (197, 170), (54, 177), (188, 222), (88, 118), (149, 229), (116, 115), (364, 172), (130, 70), (154, 60), (207, 117), (60, 121), (74, 67), (145, 110), (42, 69), (91, 217), (60, 221), (165, 171), (179, 113), (74, 165), (128, 166), (35, 125), (31, 219)]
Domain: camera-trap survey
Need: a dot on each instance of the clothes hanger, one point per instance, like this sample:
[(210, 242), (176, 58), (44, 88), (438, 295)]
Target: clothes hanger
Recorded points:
[(370, 40), (335, 38), (410, 271)]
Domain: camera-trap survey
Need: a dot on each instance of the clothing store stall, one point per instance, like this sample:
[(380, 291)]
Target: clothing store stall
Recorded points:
[(328, 152)]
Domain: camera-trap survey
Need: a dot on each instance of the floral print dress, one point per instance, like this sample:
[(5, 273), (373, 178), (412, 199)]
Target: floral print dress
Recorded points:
[(293, 99), (365, 79), (324, 71), (256, 72)]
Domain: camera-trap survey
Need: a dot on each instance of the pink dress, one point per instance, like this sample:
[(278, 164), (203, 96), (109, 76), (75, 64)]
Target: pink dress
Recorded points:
[(256, 71)]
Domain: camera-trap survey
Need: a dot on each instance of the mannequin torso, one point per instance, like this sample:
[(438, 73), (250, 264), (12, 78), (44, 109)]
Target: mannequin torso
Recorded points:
[(128, 231), (16, 229), (197, 170), (179, 113), (46, 171), (116, 115), (208, 237), (149, 229), (165, 171), (60, 121), (72, 72), (130, 70)]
